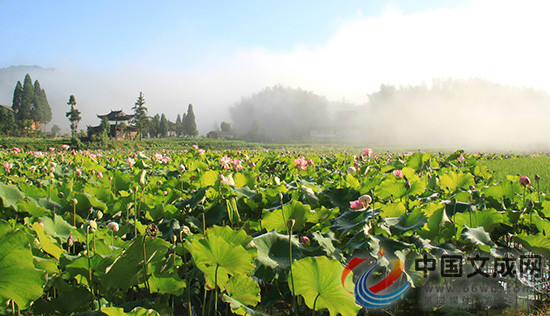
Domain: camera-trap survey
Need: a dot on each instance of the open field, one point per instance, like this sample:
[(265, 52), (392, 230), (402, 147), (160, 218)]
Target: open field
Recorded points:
[(181, 229)]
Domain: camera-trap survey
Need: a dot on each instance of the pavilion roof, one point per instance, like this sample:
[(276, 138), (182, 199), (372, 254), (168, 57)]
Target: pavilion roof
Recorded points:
[(117, 116)]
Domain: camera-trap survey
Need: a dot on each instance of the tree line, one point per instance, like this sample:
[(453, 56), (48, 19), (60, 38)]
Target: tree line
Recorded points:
[(29, 111)]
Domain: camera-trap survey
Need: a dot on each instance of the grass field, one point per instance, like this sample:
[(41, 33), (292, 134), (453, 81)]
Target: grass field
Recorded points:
[(525, 166)]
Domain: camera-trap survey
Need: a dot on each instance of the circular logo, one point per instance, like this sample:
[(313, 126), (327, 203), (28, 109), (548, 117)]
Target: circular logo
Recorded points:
[(377, 295)]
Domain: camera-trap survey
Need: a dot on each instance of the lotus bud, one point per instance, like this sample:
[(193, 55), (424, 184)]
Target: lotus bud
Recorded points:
[(41, 224), (60, 195), (70, 241), (185, 230), (165, 193), (305, 241), (75, 202), (99, 215), (525, 181), (174, 239), (159, 182), (113, 226)]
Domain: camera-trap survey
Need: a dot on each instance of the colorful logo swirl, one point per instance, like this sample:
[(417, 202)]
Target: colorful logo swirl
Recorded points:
[(369, 296)]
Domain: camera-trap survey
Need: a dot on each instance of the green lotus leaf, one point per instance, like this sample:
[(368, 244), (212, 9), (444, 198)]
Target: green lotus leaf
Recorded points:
[(127, 269), (277, 219), (317, 280), (243, 289), (10, 195), (46, 243), (273, 250), (19, 280), (452, 181), (536, 243)]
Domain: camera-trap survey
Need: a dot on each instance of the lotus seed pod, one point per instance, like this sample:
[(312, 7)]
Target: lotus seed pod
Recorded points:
[(75, 202), (174, 239), (537, 177), (365, 200), (99, 215), (152, 230), (60, 195), (113, 226), (185, 230), (181, 168), (159, 182), (525, 181), (165, 193), (91, 226)]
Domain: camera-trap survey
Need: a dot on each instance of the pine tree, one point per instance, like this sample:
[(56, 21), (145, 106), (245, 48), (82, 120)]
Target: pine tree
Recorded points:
[(154, 126), (189, 124), (17, 100), (179, 126), (74, 116), (42, 111), (140, 114), (28, 101), (163, 127)]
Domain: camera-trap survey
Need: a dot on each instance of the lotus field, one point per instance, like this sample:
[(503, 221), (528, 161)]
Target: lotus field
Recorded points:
[(198, 232)]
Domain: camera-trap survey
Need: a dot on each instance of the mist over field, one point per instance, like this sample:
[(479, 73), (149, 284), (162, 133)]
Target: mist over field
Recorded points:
[(472, 114)]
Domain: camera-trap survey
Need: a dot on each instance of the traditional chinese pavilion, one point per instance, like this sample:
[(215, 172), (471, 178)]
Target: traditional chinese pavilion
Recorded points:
[(122, 131)]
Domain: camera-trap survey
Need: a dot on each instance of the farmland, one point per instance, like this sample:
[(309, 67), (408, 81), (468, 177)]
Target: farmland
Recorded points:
[(203, 230)]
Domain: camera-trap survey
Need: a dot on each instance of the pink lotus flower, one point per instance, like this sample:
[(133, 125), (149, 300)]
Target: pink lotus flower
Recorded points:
[(8, 166), (301, 163), (130, 161), (79, 173), (185, 151), (51, 148), (310, 162), (525, 181), (32, 169), (398, 173), (99, 175), (236, 163), (16, 150), (305, 241), (461, 158), (355, 205), (65, 147), (367, 152), (195, 147), (201, 152), (225, 161)]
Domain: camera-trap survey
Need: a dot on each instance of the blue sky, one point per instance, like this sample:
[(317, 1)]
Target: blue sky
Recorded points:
[(212, 53), (103, 34)]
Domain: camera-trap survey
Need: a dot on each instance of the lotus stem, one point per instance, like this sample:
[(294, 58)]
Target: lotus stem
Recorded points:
[(216, 290), (145, 265)]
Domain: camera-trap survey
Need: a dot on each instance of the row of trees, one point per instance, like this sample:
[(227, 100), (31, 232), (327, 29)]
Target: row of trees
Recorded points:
[(160, 126), (30, 109)]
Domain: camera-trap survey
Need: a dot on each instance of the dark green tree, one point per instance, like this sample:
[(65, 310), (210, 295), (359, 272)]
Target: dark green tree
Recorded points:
[(74, 116), (42, 111), (179, 126), (225, 127), (154, 125), (7, 121), (189, 124), (55, 130), (163, 126), (140, 115), (28, 102), (17, 99)]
